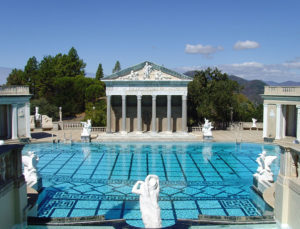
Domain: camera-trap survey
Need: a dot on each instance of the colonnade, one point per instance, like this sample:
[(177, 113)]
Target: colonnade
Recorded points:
[(280, 121), (11, 122), (139, 113)]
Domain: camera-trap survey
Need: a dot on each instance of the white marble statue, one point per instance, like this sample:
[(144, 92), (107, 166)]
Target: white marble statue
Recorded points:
[(37, 115), (149, 191), (263, 171), (87, 127), (254, 122), (206, 129), (147, 70), (30, 171)]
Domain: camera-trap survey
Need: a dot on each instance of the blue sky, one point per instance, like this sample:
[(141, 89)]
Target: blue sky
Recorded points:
[(252, 39)]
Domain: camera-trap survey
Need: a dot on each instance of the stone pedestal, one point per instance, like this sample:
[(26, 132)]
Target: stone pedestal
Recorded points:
[(86, 138), (260, 185), (207, 138)]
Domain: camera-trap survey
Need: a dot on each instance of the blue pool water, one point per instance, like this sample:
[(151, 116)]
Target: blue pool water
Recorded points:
[(195, 178)]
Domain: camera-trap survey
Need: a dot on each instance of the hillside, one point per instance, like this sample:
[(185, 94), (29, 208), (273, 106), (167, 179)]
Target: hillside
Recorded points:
[(251, 88)]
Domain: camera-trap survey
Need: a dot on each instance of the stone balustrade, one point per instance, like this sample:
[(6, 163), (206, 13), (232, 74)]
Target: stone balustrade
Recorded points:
[(14, 90), (281, 90), (98, 129), (78, 125)]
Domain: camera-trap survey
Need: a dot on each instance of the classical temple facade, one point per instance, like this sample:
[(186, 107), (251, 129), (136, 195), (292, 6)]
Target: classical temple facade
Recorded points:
[(281, 112), (14, 112), (146, 97)]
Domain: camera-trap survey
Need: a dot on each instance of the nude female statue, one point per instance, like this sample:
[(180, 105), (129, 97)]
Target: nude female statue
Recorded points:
[(149, 191)]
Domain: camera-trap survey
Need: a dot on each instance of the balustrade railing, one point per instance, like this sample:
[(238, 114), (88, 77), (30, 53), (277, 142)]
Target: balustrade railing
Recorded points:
[(14, 90), (72, 125), (98, 129), (276, 90)]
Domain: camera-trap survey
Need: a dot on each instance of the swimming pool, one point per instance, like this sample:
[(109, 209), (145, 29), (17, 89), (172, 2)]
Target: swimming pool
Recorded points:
[(195, 178)]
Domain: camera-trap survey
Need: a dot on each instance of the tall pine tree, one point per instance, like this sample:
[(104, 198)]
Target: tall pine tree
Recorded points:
[(99, 73), (117, 67)]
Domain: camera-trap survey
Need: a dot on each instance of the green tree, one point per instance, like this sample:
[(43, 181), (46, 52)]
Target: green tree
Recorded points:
[(96, 112), (99, 73), (31, 74), (16, 77), (211, 95), (117, 67)]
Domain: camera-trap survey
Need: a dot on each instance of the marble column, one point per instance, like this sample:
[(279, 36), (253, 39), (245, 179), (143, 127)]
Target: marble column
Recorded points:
[(123, 113), (169, 99), (108, 114), (278, 121), (283, 121), (153, 113), (265, 121), (8, 120), (298, 123), (27, 119), (139, 113), (184, 113), (14, 122)]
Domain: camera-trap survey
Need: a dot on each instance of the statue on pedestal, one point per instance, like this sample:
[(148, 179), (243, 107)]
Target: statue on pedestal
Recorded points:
[(37, 115), (206, 129), (86, 131), (149, 191), (87, 127), (254, 122), (263, 171)]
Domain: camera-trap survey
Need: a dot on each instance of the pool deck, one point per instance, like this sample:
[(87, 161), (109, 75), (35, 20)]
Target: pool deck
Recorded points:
[(254, 136)]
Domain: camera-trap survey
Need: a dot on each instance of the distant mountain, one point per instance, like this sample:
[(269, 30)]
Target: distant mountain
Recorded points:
[(4, 72), (251, 88), (286, 83)]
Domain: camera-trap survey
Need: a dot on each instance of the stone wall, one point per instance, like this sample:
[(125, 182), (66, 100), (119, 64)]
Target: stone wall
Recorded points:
[(287, 190)]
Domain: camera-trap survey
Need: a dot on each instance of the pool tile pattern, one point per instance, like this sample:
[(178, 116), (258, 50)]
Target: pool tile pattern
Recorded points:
[(195, 178)]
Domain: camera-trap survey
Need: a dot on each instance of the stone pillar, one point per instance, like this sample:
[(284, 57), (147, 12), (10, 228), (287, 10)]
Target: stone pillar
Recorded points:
[(123, 113), (139, 113), (27, 119), (265, 121), (283, 120), (298, 123), (169, 98), (278, 121), (153, 113), (60, 114), (8, 120), (14, 122), (184, 113), (108, 114)]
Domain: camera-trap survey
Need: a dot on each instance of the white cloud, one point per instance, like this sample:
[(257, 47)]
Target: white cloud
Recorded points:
[(205, 50), (293, 64), (240, 45)]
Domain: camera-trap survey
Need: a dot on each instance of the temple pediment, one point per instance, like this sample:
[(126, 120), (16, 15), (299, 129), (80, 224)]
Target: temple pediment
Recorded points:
[(147, 71)]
